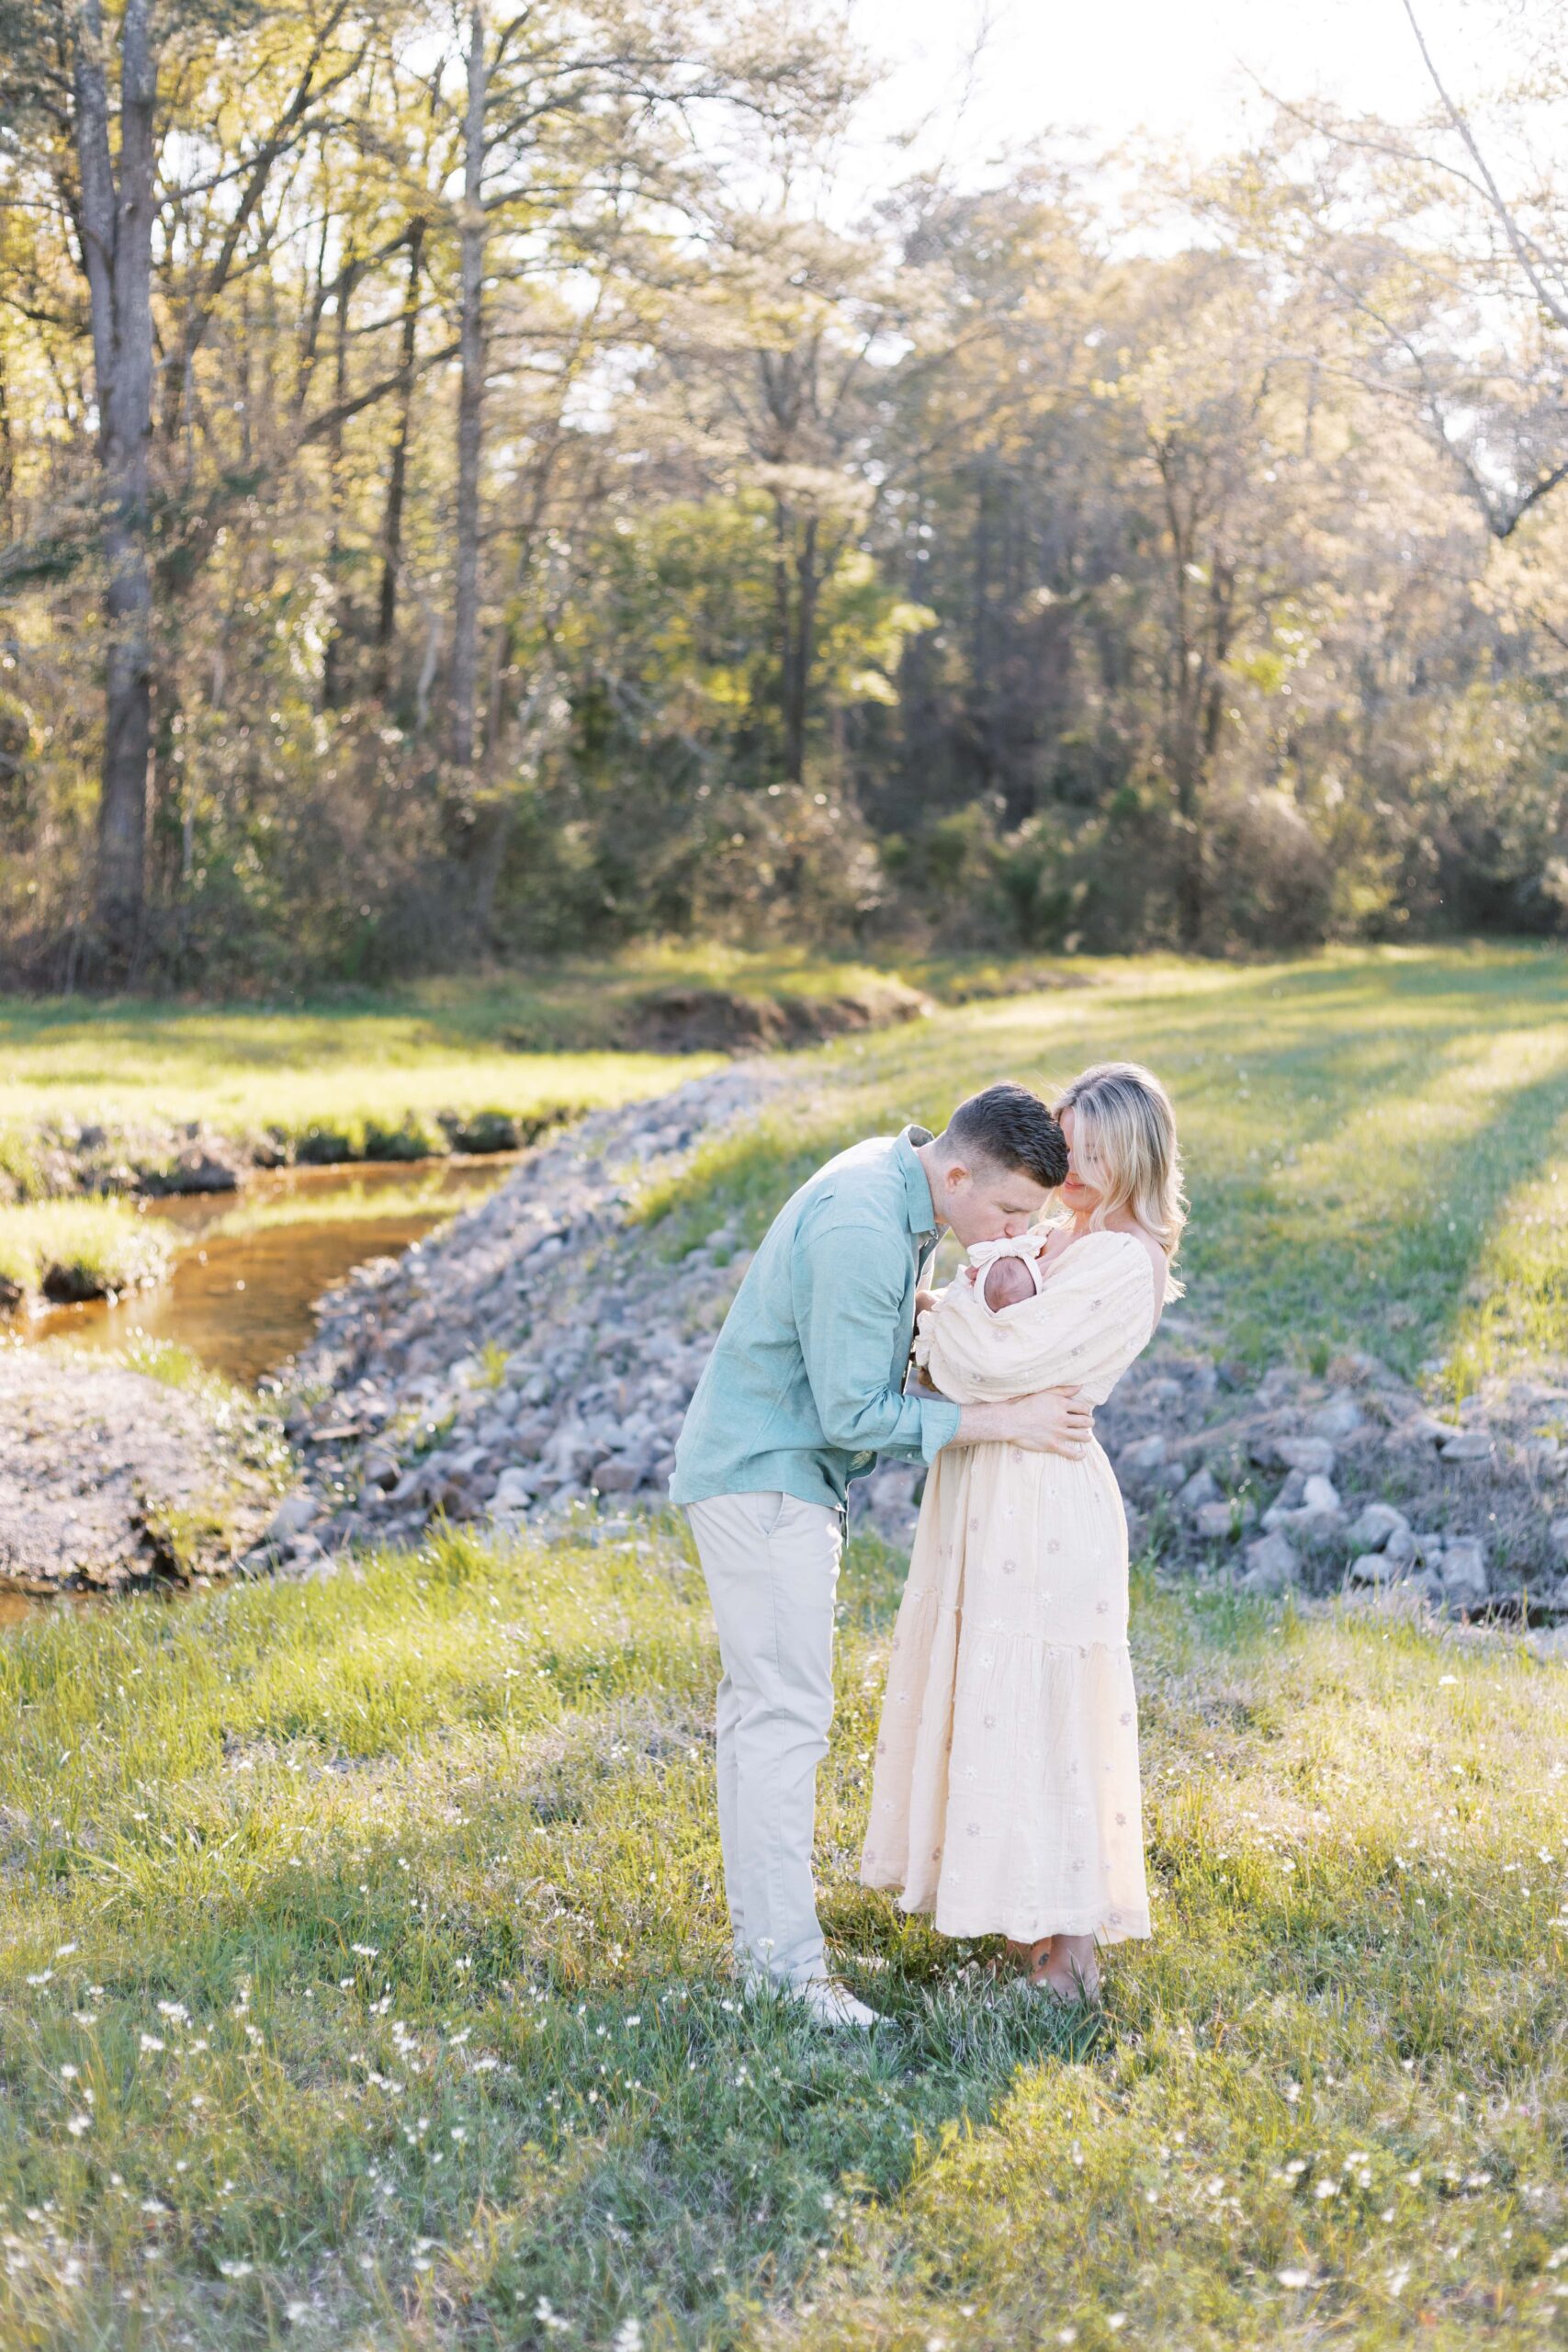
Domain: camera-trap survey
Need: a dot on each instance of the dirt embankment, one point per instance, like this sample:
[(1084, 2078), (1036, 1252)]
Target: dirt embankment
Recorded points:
[(110, 1479)]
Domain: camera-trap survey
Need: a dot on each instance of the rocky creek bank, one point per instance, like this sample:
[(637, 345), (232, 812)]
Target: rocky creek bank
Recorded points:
[(539, 1356)]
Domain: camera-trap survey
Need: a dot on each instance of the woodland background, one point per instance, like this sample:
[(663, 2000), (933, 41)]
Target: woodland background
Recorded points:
[(468, 488)]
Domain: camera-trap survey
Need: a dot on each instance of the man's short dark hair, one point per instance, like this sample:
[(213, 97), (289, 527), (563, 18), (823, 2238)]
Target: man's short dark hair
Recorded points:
[(1012, 1128)]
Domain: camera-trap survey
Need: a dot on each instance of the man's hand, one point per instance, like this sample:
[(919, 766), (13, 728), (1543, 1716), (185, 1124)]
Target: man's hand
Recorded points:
[(924, 1301), (1057, 1421)]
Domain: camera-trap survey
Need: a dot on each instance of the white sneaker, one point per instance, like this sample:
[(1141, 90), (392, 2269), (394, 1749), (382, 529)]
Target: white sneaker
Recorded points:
[(834, 2004)]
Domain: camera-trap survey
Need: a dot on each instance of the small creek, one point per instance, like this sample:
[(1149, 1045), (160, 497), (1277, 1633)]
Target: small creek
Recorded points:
[(241, 1301)]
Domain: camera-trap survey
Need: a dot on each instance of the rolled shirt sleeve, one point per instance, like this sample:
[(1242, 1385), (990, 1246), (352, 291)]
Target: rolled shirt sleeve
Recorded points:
[(851, 1291)]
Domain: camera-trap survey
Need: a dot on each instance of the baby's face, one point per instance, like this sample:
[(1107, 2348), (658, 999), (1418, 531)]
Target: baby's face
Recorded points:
[(1008, 1282)]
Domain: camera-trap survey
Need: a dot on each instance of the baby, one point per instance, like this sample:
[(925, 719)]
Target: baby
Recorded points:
[(1008, 1271)]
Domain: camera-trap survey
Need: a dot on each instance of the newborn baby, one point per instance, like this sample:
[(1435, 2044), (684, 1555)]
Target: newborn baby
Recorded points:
[(1007, 1271)]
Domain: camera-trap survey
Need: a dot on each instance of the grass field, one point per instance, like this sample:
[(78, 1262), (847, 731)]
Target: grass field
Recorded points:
[(523, 1042), (1377, 1143), (359, 1987)]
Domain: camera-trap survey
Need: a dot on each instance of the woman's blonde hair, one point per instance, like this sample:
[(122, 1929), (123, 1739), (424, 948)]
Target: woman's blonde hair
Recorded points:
[(1124, 1141)]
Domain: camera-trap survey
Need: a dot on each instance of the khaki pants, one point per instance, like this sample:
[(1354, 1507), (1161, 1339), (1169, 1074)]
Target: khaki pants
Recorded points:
[(771, 1568)]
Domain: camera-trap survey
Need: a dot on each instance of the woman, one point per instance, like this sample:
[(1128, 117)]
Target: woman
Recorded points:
[(1005, 1797)]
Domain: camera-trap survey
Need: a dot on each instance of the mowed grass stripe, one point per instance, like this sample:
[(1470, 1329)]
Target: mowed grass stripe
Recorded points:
[(1375, 1142)]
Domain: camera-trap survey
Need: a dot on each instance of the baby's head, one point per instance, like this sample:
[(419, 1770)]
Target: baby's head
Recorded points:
[(1007, 1283)]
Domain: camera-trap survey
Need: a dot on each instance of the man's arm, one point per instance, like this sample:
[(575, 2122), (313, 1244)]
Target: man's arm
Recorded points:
[(1057, 1421), (849, 1283)]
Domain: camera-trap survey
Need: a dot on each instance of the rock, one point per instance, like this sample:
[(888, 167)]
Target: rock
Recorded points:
[(381, 1468), (1200, 1489), (1464, 1570), (513, 1491), (1271, 1566), (1311, 1455), (1372, 1567), (1468, 1445), (292, 1518), (1558, 1538), (1543, 1456), (1220, 1522), (1320, 1494), (621, 1475), (1161, 1392), (1401, 1546), (1145, 1453), (1373, 1524), (1340, 1417)]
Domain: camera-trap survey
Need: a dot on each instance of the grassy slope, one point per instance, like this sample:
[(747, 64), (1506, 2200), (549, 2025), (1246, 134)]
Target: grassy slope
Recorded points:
[(1375, 1142), (359, 1986)]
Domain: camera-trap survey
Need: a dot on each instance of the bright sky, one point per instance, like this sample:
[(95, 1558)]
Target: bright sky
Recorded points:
[(1177, 68)]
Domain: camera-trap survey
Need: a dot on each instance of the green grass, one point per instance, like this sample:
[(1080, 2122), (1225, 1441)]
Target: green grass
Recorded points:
[(1377, 1142), (360, 1985), (81, 1249), (525, 1043)]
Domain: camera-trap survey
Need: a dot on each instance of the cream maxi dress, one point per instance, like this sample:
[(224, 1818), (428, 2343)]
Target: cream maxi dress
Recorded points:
[(1005, 1797)]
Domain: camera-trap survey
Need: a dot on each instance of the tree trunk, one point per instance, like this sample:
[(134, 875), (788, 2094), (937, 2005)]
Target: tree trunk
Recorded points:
[(799, 614), (396, 479), (470, 405), (332, 666), (116, 240)]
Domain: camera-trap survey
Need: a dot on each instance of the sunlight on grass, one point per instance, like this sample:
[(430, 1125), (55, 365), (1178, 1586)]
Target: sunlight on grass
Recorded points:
[(361, 1955), (81, 1249), (1361, 1133)]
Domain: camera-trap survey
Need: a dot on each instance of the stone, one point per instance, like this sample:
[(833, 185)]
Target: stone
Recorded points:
[(513, 1491), (1373, 1524), (1311, 1455), (1429, 1547), (1557, 1537), (1220, 1522), (1161, 1392), (1145, 1453), (380, 1469), (1372, 1567), (1464, 1569), (292, 1518), (1401, 1546), (1202, 1487), (1341, 1417), (1321, 1494), (1468, 1445), (1271, 1566), (621, 1475)]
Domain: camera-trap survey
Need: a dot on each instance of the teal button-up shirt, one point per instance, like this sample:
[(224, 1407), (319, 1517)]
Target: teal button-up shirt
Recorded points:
[(804, 1387)]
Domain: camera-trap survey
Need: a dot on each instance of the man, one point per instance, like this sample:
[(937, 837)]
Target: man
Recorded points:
[(801, 1394)]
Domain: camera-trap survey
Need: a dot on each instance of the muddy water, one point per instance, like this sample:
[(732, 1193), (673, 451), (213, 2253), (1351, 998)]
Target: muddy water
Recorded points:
[(241, 1301)]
